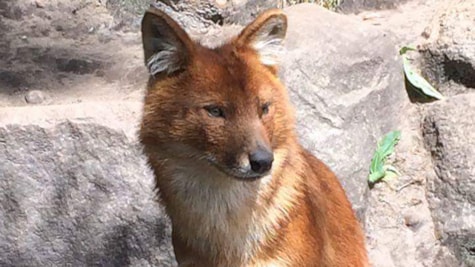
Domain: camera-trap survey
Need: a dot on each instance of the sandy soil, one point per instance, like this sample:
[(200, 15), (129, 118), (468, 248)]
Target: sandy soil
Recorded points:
[(69, 51)]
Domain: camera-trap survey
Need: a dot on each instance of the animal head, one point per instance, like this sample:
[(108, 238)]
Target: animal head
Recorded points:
[(225, 105)]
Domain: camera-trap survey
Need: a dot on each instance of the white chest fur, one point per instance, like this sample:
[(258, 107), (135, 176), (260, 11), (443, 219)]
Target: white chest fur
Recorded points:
[(221, 216), (218, 214)]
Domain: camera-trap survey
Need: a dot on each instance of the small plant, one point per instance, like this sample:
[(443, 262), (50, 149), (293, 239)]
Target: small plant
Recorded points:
[(378, 169), (328, 4), (416, 80)]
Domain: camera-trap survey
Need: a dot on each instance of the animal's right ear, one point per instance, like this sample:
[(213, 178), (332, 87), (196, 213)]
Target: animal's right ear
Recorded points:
[(167, 47)]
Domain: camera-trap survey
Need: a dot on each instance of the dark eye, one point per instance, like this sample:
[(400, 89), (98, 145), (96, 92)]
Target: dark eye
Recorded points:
[(215, 111), (265, 108)]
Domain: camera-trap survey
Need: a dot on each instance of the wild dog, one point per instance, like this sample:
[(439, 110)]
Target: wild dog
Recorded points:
[(219, 133)]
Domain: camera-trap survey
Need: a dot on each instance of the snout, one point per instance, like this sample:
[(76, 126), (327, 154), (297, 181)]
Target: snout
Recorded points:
[(249, 166), (261, 160), (255, 164)]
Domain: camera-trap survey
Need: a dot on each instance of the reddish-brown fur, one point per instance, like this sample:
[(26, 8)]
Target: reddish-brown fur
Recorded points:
[(297, 214)]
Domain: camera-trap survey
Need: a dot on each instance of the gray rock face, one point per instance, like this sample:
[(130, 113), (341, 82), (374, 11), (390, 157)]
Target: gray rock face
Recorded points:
[(198, 17), (75, 189), (35, 97), (347, 87), (185, 13), (242, 12), (449, 56), (449, 134), (351, 6)]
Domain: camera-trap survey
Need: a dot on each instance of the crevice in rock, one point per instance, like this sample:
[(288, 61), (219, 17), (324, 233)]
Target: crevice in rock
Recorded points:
[(464, 247), (431, 135), (444, 191), (459, 71), (450, 74)]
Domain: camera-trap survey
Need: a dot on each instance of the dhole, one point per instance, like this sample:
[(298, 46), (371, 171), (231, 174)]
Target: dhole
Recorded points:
[(218, 130)]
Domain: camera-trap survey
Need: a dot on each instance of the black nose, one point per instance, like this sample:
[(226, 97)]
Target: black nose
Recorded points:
[(261, 160)]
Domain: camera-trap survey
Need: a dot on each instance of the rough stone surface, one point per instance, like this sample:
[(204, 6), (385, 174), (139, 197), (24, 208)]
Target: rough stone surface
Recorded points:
[(75, 189), (450, 137), (449, 55), (352, 6), (34, 97), (199, 17), (242, 12), (71, 50), (399, 226), (347, 89)]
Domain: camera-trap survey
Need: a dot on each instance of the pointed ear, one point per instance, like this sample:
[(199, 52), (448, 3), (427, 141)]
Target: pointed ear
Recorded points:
[(265, 35), (167, 47)]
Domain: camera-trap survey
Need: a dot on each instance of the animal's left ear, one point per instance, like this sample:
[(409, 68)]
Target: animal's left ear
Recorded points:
[(265, 35)]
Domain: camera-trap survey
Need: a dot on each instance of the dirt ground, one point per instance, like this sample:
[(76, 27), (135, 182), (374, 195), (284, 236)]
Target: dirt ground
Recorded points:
[(69, 51)]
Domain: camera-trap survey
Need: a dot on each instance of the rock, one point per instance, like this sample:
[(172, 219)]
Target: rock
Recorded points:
[(34, 97), (450, 137), (398, 218), (449, 55), (75, 189), (12, 11), (413, 220), (354, 6), (198, 17), (347, 87), (242, 12), (445, 258), (75, 65), (382, 256), (40, 3)]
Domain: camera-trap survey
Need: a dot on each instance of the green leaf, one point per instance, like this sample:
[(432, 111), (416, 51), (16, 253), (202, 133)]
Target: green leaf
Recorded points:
[(378, 169), (386, 145), (415, 78), (419, 82), (376, 163)]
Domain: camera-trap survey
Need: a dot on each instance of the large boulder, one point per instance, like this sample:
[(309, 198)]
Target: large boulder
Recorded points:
[(199, 17), (346, 84), (450, 137), (399, 226), (75, 189), (449, 55), (354, 6)]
